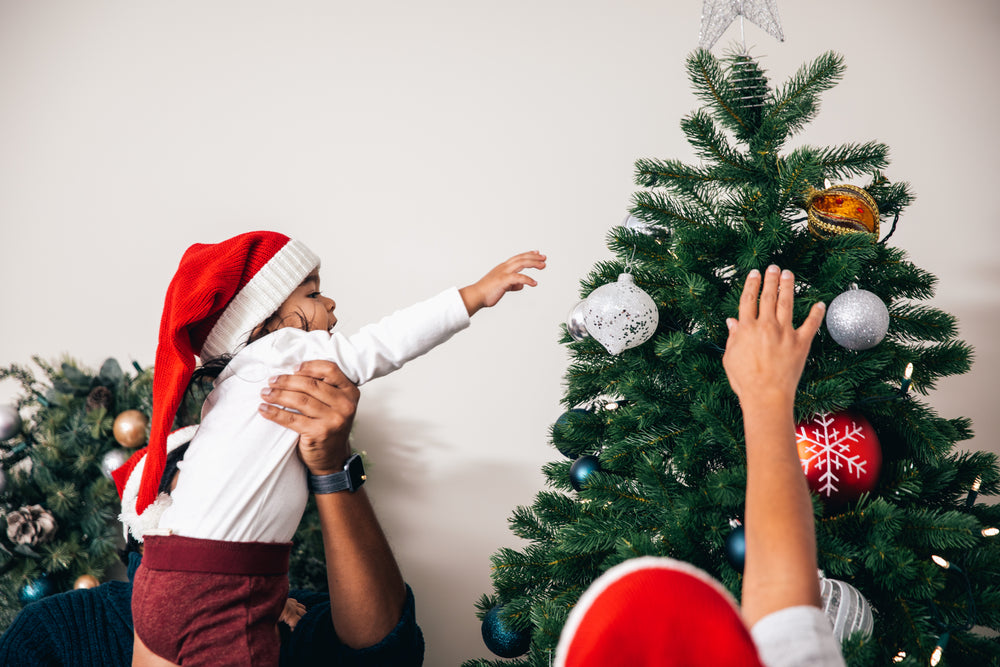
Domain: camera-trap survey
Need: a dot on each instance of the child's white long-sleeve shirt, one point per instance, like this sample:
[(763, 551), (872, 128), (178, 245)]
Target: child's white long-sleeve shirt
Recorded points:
[(241, 478)]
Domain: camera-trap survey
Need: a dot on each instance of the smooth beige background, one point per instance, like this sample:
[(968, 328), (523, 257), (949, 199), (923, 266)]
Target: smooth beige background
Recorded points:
[(414, 145)]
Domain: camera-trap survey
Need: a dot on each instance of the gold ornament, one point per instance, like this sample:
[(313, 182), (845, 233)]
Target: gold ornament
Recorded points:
[(841, 209), (130, 428), (86, 581)]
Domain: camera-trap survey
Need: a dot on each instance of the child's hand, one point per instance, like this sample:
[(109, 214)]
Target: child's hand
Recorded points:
[(765, 354), (293, 611), (507, 277)]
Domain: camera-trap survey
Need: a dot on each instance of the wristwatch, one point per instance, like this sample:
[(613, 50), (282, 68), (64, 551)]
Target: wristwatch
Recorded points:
[(349, 479)]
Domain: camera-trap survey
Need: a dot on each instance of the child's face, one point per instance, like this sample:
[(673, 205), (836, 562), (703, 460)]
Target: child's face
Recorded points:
[(304, 309)]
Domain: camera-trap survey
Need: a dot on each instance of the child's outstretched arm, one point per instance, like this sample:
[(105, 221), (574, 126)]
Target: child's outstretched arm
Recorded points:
[(764, 359), (507, 277)]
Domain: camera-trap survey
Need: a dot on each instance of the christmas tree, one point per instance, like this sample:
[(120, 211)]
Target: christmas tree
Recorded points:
[(58, 505), (650, 450)]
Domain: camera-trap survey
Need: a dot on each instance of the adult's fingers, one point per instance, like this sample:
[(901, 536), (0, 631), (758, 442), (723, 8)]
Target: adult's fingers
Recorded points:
[(321, 379), (326, 371), (311, 404), (786, 297), (769, 292), (812, 321), (748, 299), (291, 420)]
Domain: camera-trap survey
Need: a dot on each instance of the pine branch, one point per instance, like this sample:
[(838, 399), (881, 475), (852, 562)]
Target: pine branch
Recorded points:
[(842, 162), (795, 102), (710, 144)]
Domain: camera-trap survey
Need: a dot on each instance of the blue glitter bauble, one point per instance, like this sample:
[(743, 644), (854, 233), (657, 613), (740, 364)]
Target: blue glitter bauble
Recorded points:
[(35, 590), (581, 470), (736, 548), (500, 638)]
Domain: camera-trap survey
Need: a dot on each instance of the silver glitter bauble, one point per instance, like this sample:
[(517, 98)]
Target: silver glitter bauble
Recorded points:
[(620, 315), (574, 322), (857, 319), (113, 460), (10, 422), (846, 608)]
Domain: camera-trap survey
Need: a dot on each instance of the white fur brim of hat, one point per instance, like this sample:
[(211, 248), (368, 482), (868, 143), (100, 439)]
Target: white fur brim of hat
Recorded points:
[(259, 299), (137, 524)]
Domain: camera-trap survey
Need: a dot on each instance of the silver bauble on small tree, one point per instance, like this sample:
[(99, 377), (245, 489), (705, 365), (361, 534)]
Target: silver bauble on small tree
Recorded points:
[(10, 422), (114, 459)]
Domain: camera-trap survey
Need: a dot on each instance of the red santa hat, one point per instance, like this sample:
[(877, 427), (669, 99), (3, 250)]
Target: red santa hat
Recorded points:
[(219, 294), (655, 612)]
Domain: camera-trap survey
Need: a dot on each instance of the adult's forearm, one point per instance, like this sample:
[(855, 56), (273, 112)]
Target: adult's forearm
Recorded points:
[(780, 568), (367, 592)]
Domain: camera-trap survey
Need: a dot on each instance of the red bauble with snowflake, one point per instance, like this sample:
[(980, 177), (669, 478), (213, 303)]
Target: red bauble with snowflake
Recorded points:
[(840, 455)]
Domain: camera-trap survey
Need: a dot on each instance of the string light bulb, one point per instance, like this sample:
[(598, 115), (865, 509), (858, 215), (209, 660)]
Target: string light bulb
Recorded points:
[(990, 531), (941, 562), (907, 374), (971, 499), (900, 657), (939, 649)]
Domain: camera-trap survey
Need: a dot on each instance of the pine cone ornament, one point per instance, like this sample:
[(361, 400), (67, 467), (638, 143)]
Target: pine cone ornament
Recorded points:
[(31, 525), (100, 397)]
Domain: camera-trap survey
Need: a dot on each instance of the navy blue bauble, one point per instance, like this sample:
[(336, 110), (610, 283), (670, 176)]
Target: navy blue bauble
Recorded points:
[(582, 469), (736, 548), (35, 590), (500, 638)]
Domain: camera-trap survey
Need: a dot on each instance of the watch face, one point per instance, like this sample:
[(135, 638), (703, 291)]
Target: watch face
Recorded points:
[(355, 472)]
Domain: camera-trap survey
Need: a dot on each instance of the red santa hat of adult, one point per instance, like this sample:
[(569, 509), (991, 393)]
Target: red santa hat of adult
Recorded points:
[(219, 294), (655, 612)]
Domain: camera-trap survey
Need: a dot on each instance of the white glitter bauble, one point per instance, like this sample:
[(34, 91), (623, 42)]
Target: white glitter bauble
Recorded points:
[(113, 460), (10, 422), (575, 324), (620, 315), (846, 608), (857, 319)]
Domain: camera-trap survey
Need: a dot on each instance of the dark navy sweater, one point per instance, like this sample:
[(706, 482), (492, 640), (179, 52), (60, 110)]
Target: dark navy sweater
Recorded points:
[(93, 627)]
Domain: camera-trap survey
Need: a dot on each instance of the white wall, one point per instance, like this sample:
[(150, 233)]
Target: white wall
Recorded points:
[(415, 145)]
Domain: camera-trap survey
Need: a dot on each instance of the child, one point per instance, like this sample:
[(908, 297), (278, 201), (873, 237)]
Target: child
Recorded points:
[(222, 536)]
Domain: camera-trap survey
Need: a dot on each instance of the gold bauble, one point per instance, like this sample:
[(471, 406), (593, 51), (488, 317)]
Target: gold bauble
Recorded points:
[(130, 428), (86, 581), (841, 209)]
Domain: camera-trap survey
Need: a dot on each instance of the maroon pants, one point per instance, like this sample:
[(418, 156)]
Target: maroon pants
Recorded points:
[(207, 602)]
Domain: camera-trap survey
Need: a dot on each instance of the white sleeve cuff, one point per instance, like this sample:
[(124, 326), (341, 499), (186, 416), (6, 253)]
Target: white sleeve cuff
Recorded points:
[(797, 636)]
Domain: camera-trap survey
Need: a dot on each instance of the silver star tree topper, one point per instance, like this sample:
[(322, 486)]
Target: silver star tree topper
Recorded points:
[(717, 15)]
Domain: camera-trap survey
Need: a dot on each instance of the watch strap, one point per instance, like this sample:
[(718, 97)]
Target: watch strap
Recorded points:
[(337, 481), (349, 479)]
